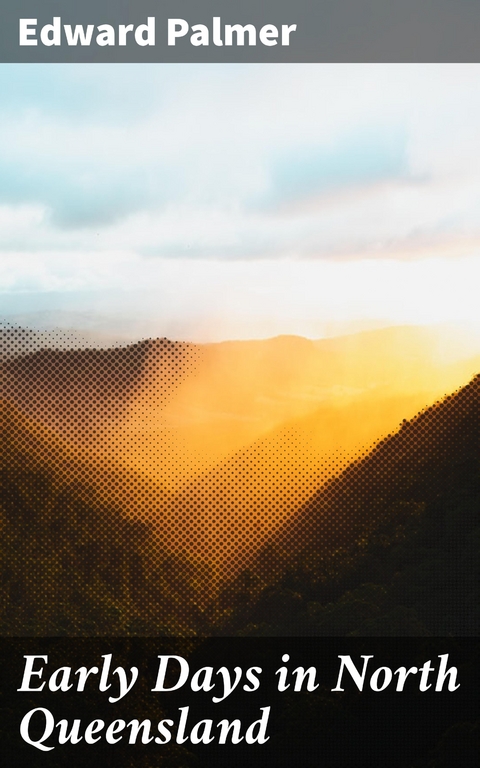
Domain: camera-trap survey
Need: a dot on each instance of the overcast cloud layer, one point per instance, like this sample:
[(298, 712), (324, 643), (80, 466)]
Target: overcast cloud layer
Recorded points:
[(108, 173)]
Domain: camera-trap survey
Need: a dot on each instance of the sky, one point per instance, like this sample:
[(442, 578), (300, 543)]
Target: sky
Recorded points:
[(207, 202)]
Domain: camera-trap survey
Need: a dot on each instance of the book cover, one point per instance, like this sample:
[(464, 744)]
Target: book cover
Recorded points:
[(240, 356)]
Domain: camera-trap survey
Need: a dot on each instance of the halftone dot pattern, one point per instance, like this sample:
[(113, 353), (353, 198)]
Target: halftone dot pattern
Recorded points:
[(114, 524), (400, 464)]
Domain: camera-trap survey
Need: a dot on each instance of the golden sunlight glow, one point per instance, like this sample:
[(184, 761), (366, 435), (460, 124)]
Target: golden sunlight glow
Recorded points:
[(258, 425)]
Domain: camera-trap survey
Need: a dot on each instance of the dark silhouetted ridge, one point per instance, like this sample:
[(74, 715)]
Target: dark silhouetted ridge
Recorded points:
[(389, 547)]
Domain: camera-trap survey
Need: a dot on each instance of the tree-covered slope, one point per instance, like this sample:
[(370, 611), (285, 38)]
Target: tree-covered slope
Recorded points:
[(69, 563), (389, 547)]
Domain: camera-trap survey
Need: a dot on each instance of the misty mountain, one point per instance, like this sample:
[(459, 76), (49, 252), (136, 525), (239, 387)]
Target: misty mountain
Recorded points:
[(223, 441), (240, 487)]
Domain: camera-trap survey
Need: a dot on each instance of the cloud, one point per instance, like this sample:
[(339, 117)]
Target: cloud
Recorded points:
[(231, 162), (360, 158)]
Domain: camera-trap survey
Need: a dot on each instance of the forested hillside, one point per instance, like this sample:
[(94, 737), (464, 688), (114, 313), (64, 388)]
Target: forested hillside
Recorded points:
[(390, 547), (70, 564)]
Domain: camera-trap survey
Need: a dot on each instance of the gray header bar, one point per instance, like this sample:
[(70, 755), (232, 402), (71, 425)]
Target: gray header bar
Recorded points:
[(240, 31)]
